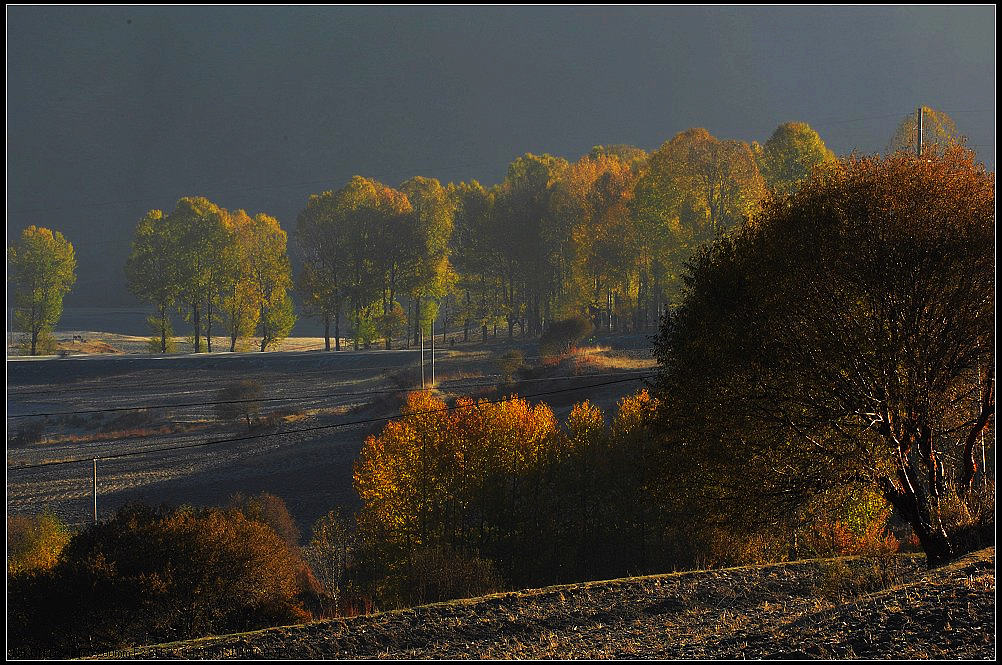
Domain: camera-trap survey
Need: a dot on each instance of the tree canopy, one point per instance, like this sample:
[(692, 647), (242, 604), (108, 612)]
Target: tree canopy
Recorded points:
[(792, 152)]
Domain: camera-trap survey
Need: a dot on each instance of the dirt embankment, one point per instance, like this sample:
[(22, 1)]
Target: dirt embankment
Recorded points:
[(774, 611)]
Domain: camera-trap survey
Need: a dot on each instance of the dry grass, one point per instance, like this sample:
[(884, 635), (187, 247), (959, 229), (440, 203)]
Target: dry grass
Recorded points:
[(602, 358)]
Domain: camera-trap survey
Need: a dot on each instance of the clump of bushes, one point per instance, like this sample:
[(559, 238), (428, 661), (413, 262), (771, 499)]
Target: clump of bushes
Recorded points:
[(154, 575), (564, 335)]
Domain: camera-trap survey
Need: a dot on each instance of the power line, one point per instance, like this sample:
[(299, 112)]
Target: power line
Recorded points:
[(319, 427), (295, 397)]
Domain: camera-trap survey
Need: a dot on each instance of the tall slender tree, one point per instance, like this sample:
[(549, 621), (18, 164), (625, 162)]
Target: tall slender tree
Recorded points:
[(41, 268), (151, 274)]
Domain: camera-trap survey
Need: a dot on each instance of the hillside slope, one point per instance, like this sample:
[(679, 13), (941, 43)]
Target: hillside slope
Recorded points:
[(772, 611)]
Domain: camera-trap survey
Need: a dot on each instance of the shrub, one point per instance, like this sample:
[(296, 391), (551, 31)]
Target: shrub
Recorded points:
[(439, 573), (34, 542), (509, 363), (236, 401), (562, 336), (155, 575), (839, 579), (29, 432), (849, 521)]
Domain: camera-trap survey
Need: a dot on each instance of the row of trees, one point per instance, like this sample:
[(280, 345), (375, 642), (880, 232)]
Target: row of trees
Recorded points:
[(605, 236), (217, 267)]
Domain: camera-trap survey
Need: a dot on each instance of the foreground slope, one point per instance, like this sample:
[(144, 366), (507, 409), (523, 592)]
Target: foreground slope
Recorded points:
[(770, 611)]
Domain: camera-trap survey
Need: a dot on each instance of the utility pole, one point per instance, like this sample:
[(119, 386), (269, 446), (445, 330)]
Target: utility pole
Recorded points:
[(422, 358), (94, 490), (918, 143)]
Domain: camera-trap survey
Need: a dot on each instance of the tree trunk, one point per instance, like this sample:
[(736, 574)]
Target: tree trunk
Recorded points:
[(198, 330), (466, 319), (914, 509), (327, 331), (987, 408), (337, 328), (417, 320), (264, 328), (208, 326), (163, 329)]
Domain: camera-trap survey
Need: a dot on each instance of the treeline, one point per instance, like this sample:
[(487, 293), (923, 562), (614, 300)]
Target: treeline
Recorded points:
[(606, 237), (491, 495)]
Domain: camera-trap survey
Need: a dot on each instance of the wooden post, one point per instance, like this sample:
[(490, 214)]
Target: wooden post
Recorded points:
[(94, 490)]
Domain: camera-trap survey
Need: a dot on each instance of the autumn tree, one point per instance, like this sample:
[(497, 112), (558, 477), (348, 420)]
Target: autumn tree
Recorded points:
[(151, 274), (792, 152), (152, 575), (199, 240), (270, 510), (239, 400), (693, 188), (237, 297), (522, 244), (34, 542), (429, 229), (471, 255), (939, 131), (487, 489), (323, 239), (270, 278), (590, 203), (844, 337), (41, 270), (330, 552), (630, 155)]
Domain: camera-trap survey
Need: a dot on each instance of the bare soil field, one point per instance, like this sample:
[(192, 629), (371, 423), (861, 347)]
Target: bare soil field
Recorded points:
[(301, 390), (772, 611)]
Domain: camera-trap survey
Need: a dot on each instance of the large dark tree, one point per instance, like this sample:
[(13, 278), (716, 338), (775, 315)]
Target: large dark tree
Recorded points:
[(845, 336)]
